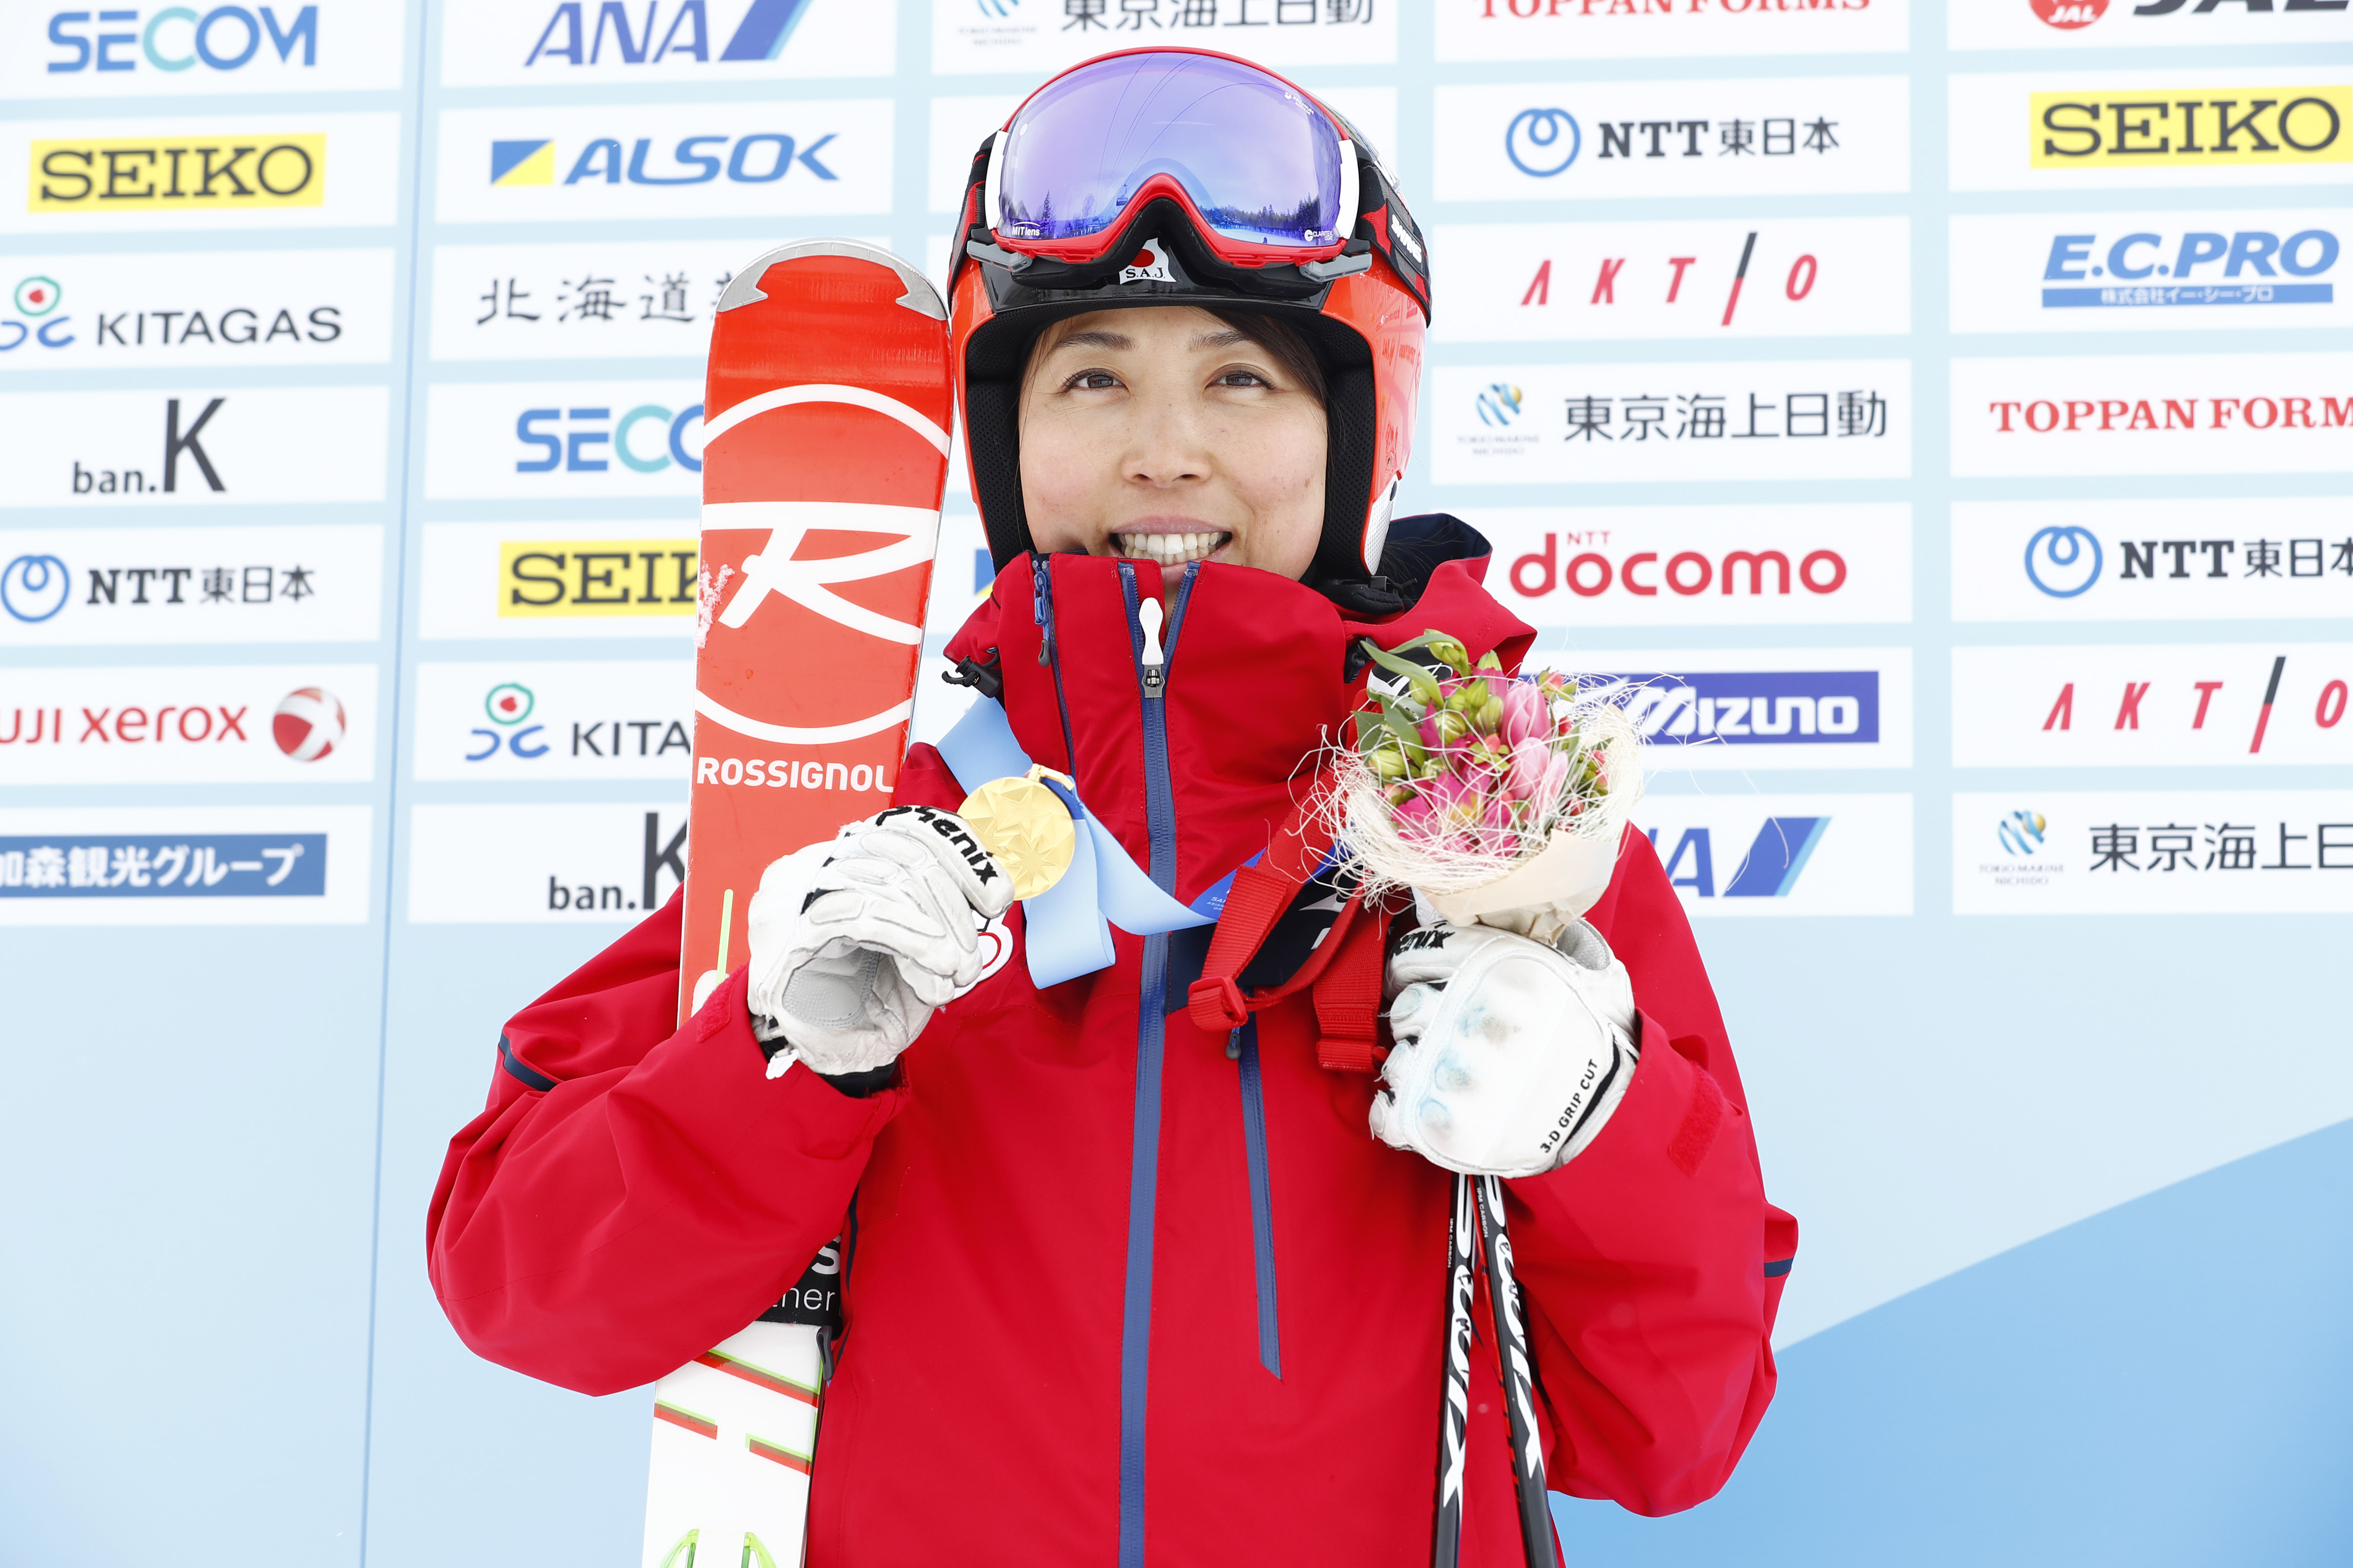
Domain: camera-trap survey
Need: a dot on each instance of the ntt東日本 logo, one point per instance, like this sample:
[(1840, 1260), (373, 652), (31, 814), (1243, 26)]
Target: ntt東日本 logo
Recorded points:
[(2145, 126), (765, 27), (2064, 561), (760, 159), (1545, 141), (2069, 15), (2190, 266), (177, 174), (34, 588), (173, 38)]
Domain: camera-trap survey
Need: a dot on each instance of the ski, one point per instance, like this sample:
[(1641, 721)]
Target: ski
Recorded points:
[(1519, 1381), (825, 458)]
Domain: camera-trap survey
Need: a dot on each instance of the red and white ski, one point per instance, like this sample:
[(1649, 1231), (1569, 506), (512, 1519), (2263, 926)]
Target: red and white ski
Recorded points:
[(825, 458)]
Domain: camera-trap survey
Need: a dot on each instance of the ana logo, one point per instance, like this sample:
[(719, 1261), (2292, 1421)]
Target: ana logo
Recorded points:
[(573, 450), (38, 296), (223, 38), (1500, 404), (34, 588), (2063, 562), (2022, 833), (1769, 869), (1543, 142), (760, 35), (508, 703), (758, 160), (2069, 15), (308, 724), (1150, 265)]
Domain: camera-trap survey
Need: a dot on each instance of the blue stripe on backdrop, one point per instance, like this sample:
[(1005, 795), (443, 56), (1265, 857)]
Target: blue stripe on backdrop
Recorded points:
[(2168, 1383)]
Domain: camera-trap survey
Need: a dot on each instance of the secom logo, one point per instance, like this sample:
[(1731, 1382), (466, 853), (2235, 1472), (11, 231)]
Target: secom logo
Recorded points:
[(175, 39)]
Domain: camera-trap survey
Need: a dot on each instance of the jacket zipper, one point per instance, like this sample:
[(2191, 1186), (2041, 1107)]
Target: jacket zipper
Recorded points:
[(1243, 1048), (1151, 1030), (1041, 605)]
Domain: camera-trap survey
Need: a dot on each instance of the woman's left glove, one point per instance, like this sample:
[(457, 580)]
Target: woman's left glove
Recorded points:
[(1511, 1054)]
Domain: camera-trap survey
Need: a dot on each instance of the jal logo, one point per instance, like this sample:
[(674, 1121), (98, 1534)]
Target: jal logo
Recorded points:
[(1745, 707), (1593, 570), (33, 588), (2188, 268), (684, 30), (177, 174), (761, 159), (1150, 265), (2022, 833), (175, 39), (2065, 560), (2156, 127), (2069, 15), (1542, 143), (1669, 273), (645, 439), (1500, 404), (1775, 859)]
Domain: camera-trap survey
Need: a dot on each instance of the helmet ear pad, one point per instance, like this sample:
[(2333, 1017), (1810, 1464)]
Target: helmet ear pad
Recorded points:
[(996, 355)]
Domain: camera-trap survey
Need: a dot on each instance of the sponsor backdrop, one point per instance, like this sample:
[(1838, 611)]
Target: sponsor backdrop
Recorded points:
[(1932, 415)]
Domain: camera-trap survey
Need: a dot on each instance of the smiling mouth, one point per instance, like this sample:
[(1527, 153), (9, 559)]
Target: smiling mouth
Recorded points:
[(1168, 549)]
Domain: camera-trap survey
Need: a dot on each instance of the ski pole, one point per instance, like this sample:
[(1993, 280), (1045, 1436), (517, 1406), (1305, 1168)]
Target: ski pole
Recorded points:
[(1519, 1385), (1455, 1402)]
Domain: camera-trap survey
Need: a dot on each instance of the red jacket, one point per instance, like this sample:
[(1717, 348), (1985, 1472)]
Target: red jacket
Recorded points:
[(1113, 1296)]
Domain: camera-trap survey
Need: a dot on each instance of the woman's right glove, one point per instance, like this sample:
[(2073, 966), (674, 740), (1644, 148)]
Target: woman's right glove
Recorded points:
[(856, 940)]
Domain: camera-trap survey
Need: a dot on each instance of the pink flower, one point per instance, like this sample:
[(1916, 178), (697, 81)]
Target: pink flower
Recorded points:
[(1531, 759), (1524, 712), (1556, 775)]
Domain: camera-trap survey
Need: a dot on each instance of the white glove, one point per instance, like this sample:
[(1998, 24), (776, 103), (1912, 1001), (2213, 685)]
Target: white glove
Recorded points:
[(857, 941), (1511, 1054)]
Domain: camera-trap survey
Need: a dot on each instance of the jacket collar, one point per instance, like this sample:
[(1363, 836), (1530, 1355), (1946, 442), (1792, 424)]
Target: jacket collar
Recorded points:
[(1259, 678)]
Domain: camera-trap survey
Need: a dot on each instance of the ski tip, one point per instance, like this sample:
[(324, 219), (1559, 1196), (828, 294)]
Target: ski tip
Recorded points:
[(744, 289)]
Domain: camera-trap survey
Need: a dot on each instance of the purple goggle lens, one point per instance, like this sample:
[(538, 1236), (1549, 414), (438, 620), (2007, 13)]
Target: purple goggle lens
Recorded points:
[(1261, 162)]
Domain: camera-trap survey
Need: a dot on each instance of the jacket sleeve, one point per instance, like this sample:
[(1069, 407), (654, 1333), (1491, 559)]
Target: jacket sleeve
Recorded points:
[(1653, 1264), (633, 1193)]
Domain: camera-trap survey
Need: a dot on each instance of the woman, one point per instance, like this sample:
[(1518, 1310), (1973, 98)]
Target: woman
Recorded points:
[(1120, 1287)]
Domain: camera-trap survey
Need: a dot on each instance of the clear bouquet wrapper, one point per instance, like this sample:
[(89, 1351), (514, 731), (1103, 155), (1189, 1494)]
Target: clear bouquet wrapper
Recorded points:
[(1500, 800)]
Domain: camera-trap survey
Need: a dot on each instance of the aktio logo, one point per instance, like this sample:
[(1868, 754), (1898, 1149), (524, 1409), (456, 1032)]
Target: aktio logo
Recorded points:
[(1543, 142), (2069, 15), (760, 159), (174, 39), (34, 588), (308, 724), (2063, 562)]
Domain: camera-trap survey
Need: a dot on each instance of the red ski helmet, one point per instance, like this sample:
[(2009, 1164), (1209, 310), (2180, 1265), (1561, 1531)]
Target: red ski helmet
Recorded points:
[(1171, 177)]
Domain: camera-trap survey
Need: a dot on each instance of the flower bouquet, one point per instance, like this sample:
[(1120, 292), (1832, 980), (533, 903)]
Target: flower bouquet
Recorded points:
[(1499, 799)]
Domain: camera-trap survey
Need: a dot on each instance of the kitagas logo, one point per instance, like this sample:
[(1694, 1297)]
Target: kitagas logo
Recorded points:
[(760, 159)]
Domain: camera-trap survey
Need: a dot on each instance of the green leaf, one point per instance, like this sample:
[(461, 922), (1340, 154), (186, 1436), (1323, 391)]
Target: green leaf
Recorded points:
[(1424, 684)]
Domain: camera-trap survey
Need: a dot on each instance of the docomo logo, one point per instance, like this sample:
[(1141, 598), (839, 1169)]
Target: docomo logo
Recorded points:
[(2042, 416), (1688, 572), (794, 773), (2069, 15), (222, 50)]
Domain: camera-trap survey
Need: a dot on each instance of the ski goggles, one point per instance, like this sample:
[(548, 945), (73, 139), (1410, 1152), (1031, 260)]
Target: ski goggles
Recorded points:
[(1266, 173)]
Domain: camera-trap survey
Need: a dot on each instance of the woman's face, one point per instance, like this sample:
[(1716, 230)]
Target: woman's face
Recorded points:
[(1159, 433)]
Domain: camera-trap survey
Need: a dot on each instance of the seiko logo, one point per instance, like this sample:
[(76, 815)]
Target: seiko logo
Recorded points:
[(147, 174), (2142, 127)]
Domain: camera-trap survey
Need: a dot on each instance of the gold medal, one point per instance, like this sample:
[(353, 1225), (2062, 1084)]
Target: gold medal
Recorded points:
[(1026, 829)]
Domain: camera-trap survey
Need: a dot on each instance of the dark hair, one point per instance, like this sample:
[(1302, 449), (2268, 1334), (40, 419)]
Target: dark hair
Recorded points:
[(1291, 350)]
